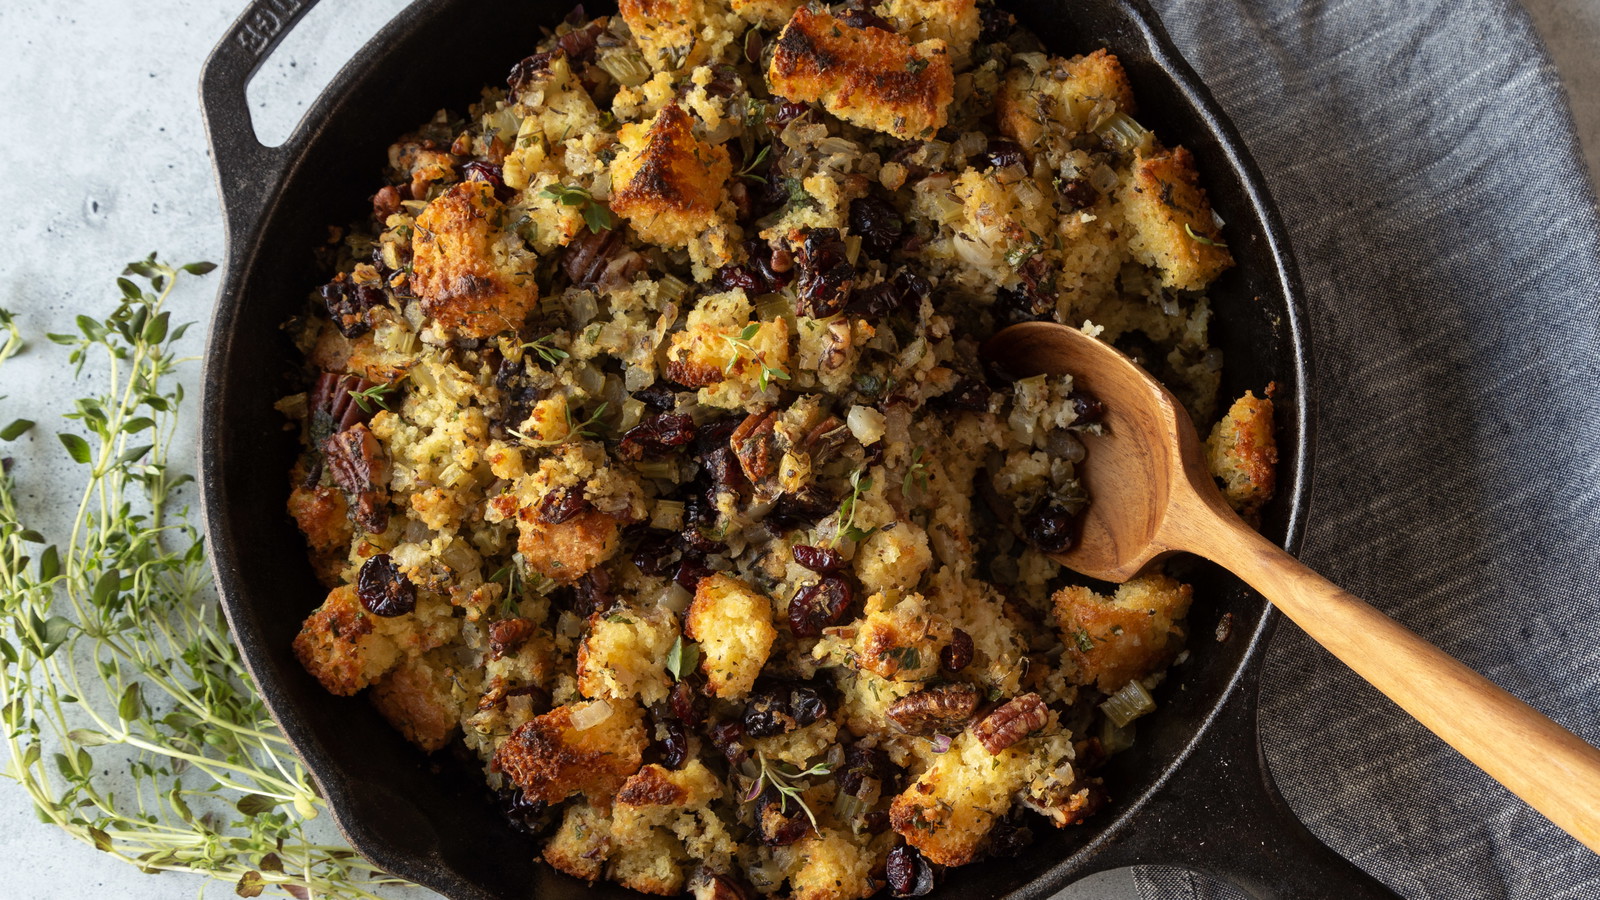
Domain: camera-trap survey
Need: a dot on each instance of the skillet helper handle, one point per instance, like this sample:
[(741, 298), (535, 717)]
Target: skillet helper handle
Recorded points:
[(1538, 760), (247, 170), (1220, 813)]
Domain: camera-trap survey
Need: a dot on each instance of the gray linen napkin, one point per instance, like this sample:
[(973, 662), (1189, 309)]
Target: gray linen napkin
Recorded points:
[(1423, 156)]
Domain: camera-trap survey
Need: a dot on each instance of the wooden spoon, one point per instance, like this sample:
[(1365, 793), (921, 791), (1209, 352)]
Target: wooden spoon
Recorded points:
[(1151, 495)]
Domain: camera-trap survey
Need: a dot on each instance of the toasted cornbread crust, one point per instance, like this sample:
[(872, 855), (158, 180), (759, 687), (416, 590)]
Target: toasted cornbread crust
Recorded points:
[(866, 76)]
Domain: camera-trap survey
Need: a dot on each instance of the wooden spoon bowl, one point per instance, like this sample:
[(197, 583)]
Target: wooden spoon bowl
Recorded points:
[(1151, 494)]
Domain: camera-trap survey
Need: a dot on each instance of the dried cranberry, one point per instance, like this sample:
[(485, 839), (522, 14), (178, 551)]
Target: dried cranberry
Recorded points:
[(490, 174), (758, 274), (860, 764), (656, 435), (1013, 305), (526, 814), (909, 874), (778, 707), (655, 551), (690, 571), (1051, 527), (817, 606), (877, 821), (674, 738), (826, 274), (957, 654), (526, 70), (1002, 153), (517, 397), (730, 277), (385, 590), (724, 81), (1087, 407), (658, 395), (1078, 193), (562, 505), (592, 593), (579, 43), (821, 560), (902, 292), (348, 304), (878, 224), (728, 738), (801, 508), (686, 704), (722, 467), (787, 112)]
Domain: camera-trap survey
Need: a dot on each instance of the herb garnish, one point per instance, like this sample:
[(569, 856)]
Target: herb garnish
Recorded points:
[(596, 215), (749, 170), (549, 354), (847, 508), (682, 658), (741, 346), (785, 778), (110, 640), (373, 397), (1202, 239)]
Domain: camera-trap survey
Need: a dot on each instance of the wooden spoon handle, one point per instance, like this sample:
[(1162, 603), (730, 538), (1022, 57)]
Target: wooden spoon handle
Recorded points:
[(1541, 762)]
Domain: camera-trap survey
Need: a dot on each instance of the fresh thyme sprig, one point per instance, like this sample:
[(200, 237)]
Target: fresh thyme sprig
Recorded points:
[(596, 215), (749, 170), (585, 429), (113, 652), (786, 780), (847, 508), (916, 473), (550, 354), (374, 398), (741, 346), (1202, 239)]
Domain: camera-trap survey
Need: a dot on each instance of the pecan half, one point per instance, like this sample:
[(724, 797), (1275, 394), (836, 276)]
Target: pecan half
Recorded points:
[(754, 443), (508, 635), (707, 885), (356, 461), (332, 396), (943, 708), (1012, 722)]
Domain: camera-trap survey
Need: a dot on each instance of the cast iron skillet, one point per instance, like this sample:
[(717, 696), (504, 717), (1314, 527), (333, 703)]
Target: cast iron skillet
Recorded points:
[(1194, 791)]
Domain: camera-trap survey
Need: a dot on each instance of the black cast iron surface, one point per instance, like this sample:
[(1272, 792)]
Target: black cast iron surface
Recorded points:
[(1193, 791)]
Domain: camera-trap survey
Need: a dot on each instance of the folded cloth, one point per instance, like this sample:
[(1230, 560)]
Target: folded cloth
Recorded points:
[(1425, 162)]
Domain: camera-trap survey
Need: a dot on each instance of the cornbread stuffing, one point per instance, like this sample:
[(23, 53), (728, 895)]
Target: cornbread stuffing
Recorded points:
[(649, 455)]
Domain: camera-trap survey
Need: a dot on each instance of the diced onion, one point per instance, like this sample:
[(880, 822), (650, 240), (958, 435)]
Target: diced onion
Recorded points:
[(1124, 130), (668, 515), (627, 66), (590, 714), (866, 424), (632, 412), (1129, 702), (664, 469), (675, 598)]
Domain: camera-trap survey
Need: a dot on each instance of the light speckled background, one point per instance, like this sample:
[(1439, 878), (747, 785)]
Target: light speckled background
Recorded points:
[(108, 162)]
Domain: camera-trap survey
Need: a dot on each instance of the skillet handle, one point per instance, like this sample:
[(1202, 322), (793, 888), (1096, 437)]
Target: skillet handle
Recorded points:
[(1221, 814), (247, 170)]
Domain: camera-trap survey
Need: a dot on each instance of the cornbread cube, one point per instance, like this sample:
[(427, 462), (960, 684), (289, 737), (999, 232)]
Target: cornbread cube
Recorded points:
[(951, 807), (551, 759), (624, 655), (668, 31), (324, 518), (733, 624), (1053, 97), (827, 864), (417, 698), (1113, 640), (659, 801), (711, 352), (1170, 221), (668, 183), (893, 560), (768, 13), (339, 645), (568, 551), (652, 865), (580, 846), (866, 76), (902, 642), (953, 21), (1242, 453), (473, 276)]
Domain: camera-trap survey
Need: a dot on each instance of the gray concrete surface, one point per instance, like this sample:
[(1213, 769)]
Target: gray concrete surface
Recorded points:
[(108, 162)]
